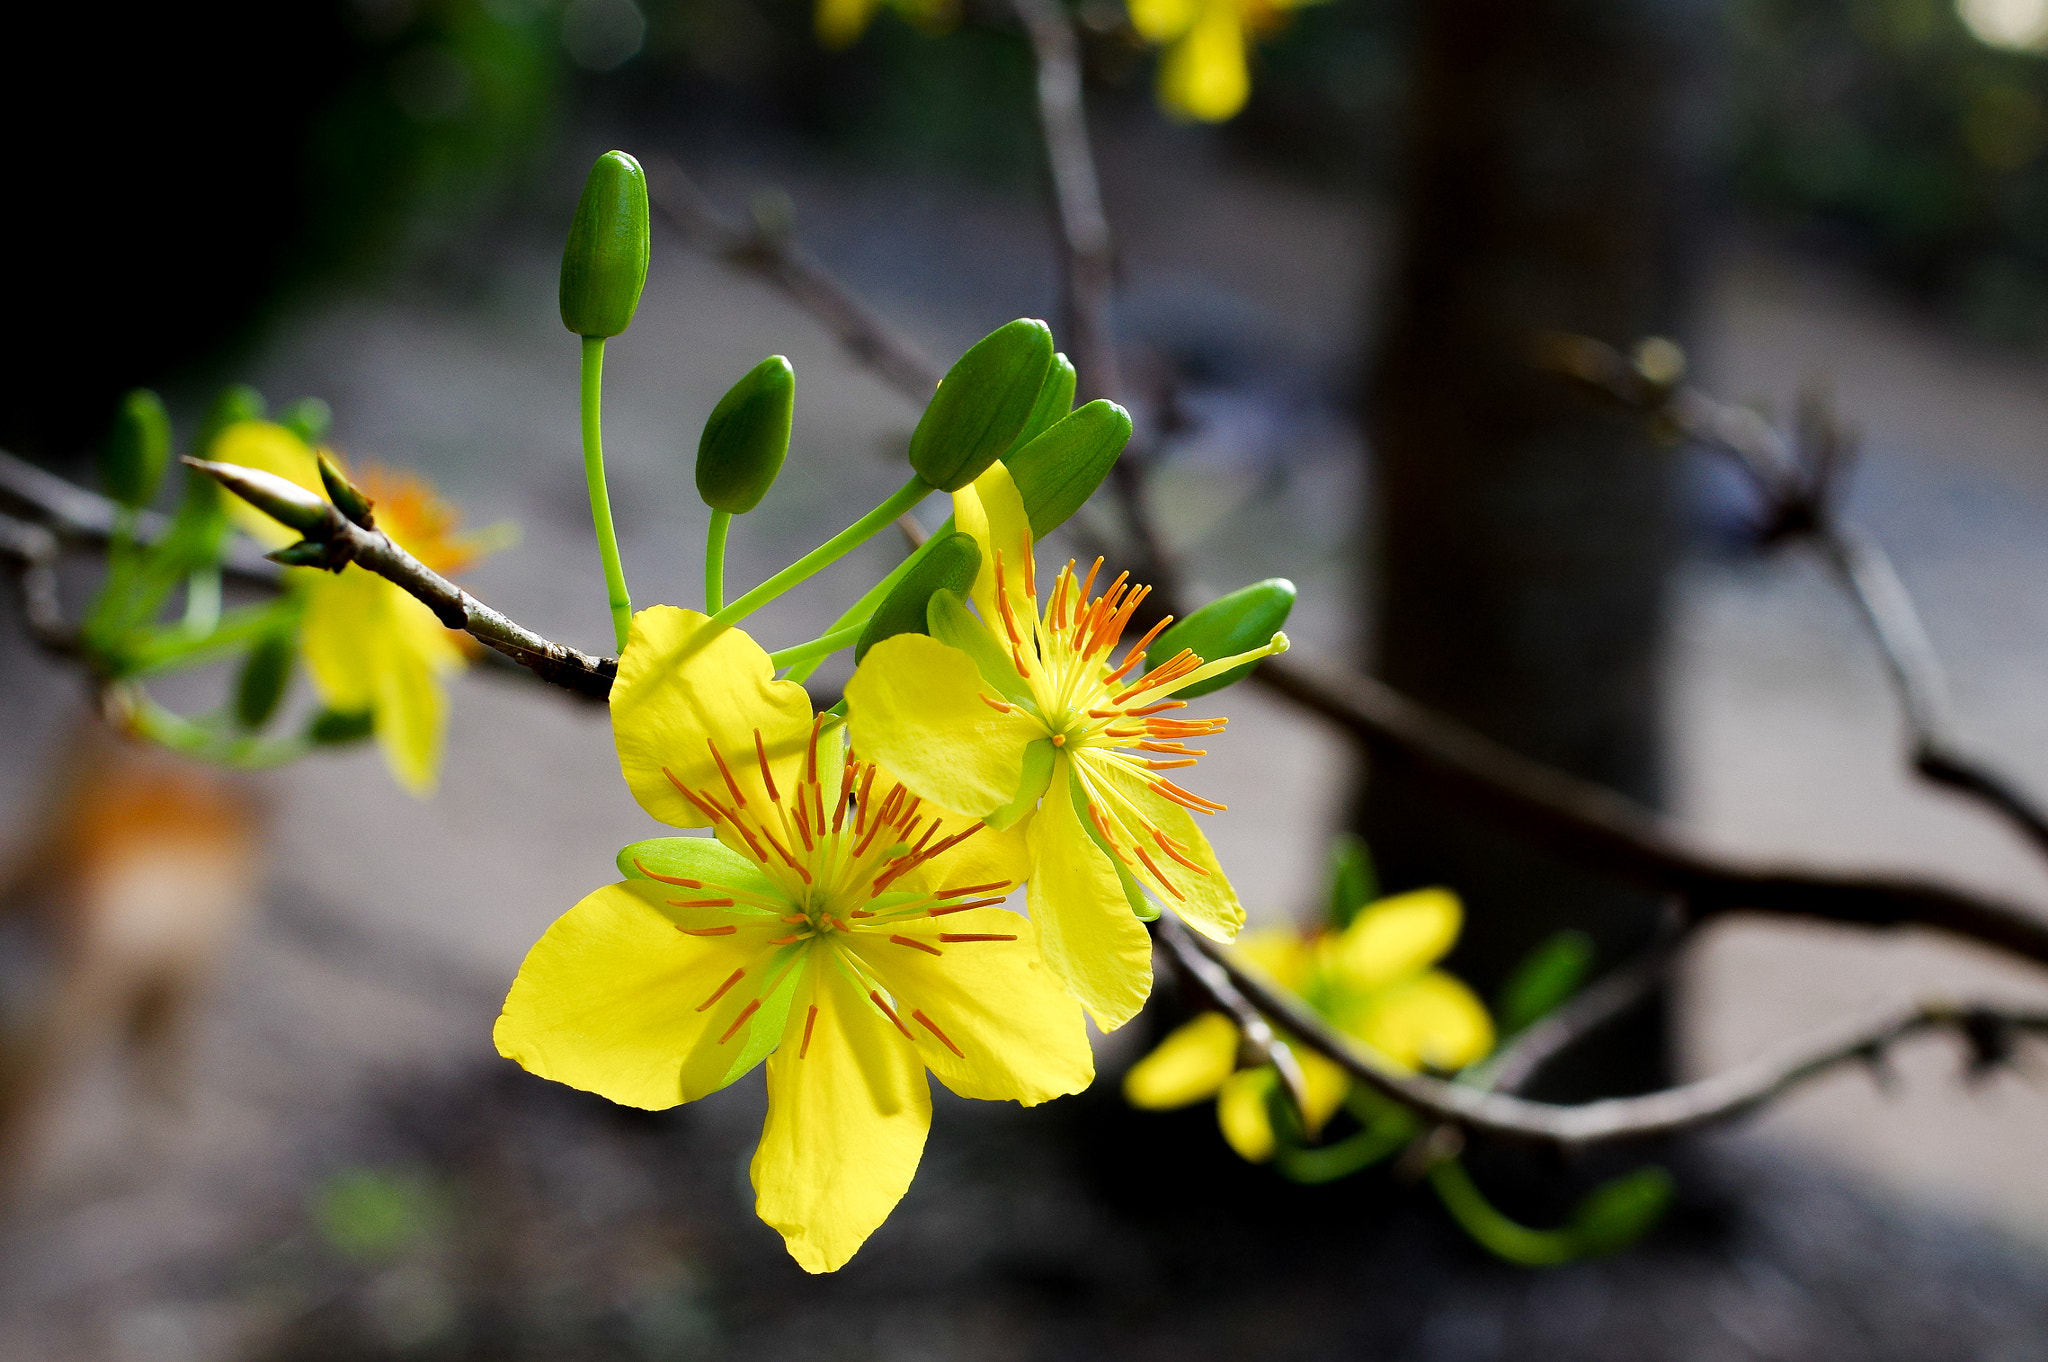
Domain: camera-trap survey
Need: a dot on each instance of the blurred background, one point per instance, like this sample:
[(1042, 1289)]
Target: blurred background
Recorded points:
[(276, 1128)]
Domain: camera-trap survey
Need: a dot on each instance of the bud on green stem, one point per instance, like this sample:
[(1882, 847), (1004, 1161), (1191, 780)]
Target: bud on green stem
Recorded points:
[(237, 402), (1237, 623), (285, 502), (1055, 400), (138, 450), (265, 674), (346, 496), (983, 403), (1061, 469), (952, 563), (604, 263), (746, 438)]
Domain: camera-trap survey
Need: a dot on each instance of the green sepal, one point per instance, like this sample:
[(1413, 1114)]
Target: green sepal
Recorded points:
[(746, 438), (306, 553), (982, 404), (346, 496), (1142, 908), (1245, 619), (137, 450), (309, 418), (1057, 472), (948, 620), (1055, 400), (704, 859), (1617, 1213), (604, 261), (1354, 882), (1038, 763), (952, 564), (265, 675), (339, 727), (1546, 976)]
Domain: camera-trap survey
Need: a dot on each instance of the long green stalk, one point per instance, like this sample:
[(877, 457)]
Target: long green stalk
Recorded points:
[(819, 648), (714, 562), (827, 553), (600, 499), (860, 611)]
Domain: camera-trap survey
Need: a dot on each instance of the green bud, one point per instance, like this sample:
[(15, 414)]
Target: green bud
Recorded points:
[(1055, 400), (136, 453), (305, 553), (951, 564), (982, 404), (346, 496), (1353, 880), (1616, 1214), (337, 727), (283, 501), (747, 437), (604, 263), (1545, 977), (308, 418), (265, 674), (1237, 623), (1061, 469)]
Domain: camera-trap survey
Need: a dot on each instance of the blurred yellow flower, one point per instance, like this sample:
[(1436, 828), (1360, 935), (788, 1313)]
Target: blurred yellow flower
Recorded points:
[(369, 647), (840, 22), (1373, 981), (836, 926), (1203, 73)]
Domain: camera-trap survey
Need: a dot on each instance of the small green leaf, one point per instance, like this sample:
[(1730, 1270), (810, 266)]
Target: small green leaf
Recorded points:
[(138, 449), (1546, 977), (266, 672), (1354, 882), (604, 261), (951, 565), (1245, 619), (1055, 401), (1616, 1214), (1061, 469), (982, 404), (746, 438), (338, 727)]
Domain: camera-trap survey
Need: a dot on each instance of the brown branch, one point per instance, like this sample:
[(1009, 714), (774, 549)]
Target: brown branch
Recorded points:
[(77, 515), (1987, 1028), (345, 542), (1518, 1063)]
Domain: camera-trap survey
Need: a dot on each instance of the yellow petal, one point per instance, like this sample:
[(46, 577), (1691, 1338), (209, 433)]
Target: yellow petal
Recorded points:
[(370, 646), (1430, 1022), (1189, 1065), (992, 510), (1241, 1112), (679, 690), (839, 22), (989, 1018), (1280, 953), (847, 1117), (1203, 75), (1086, 932), (985, 857), (1204, 898), (271, 448), (915, 706), (609, 998), (1327, 1086), (1394, 938), (1160, 21)]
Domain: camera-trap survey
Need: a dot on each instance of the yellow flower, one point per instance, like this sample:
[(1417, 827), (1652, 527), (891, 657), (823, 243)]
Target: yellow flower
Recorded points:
[(368, 645), (840, 22), (987, 715), (836, 926), (1373, 981), (1203, 74)]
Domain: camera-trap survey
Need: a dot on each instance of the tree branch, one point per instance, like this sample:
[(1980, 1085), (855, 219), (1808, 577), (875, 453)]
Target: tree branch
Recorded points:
[(33, 550), (1988, 1029), (77, 515)]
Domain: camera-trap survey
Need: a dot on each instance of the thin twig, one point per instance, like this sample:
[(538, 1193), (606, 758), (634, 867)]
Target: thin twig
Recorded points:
[(1707, 1101), (77, 515), (373, 550), (1518, 1062), (33, 550)]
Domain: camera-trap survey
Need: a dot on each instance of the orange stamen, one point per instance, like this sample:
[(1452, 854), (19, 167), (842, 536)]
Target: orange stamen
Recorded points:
[(737, 975), (740, 1020), (739, 801), (767, 776), (917, 945), (1185, 799), (962, 907), (1168, 845), (1157, 874), (810, 1020), (726, 930), (666, 879), (702, 903), (950, 937), (999, 706), (944, 1039), (972, 889), (890, 1013)]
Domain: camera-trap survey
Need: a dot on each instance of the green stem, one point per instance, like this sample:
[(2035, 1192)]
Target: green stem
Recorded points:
[(714, 562), (819, 648), (165, 648), (1493, 1231), (202, 601), (150, 720), (600, 500), (827, 553), (860, 611)]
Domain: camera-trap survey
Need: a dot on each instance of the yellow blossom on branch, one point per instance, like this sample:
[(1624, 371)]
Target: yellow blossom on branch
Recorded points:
[(1203, 73), (1020, 717), (368, 645), (1375, 981), (837, 926)]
